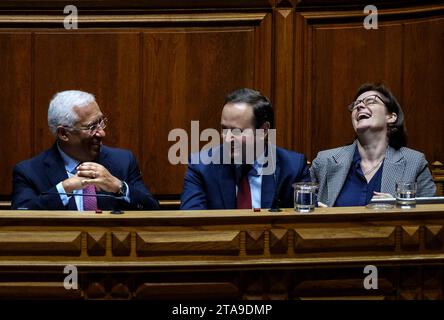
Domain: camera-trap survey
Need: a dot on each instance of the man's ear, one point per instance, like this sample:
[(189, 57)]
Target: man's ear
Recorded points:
[(265, 126), (62, 133), (392, 117)]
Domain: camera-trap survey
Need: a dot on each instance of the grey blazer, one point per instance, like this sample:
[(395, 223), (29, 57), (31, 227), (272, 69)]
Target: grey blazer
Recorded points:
[(330, 169)]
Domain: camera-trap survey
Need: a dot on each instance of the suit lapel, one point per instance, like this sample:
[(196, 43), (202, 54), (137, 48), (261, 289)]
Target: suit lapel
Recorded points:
[(393, 170), (269, 185), (102, 157), (337, 170), (56, 172), (103, 203), (54, 166), (227, 185)]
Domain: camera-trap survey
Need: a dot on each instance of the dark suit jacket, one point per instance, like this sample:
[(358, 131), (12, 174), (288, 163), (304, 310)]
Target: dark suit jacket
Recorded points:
[(34, 177), (213, 186)]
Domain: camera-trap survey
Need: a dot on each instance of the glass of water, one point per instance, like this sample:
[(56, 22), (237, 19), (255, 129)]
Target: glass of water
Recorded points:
[(406, 194), (305, 196)]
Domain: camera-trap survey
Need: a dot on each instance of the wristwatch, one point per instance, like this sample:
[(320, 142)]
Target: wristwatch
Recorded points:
[(122, 190)]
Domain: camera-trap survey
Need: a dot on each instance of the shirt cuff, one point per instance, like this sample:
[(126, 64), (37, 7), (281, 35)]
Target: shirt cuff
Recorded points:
[(126, 197), (63, 197)]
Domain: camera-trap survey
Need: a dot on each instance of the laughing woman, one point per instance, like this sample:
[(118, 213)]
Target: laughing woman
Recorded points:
[(376, 160)]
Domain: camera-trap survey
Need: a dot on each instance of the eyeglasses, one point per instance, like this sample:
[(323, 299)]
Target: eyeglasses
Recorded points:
[(369, 100), (93, 128), (237, 132)]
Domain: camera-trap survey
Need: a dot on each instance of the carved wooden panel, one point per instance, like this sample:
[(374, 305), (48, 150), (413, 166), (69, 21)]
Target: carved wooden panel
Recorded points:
[(423, 50), (16, 120), (335, 54), (40, 243), (96, 243), (37, 290), (187, 290), (287, 117), (348, 238), (279, 240), (223, 254), (411, 237), (121, 243), (104, 63), (188, 243), (434, 237), (255, 242), (186, 76), (340, 59)]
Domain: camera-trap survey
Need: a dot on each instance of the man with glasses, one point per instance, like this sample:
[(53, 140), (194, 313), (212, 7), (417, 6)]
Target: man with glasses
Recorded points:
[(79, 172)]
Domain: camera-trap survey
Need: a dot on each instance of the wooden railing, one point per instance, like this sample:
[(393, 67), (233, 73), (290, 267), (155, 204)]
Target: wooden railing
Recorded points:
[(223, 254)]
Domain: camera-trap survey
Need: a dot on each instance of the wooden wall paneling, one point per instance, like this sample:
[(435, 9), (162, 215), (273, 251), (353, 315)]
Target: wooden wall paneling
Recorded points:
[(16, 123), (302, 74), (334, 54), (186, 77), (343, 57), (423, 84), (283, 83), (104, 63), (263, 56), (187, 73)]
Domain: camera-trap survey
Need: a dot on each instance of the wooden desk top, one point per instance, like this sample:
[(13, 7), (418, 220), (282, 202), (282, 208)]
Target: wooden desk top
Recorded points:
[(224, 252), (220, 213)]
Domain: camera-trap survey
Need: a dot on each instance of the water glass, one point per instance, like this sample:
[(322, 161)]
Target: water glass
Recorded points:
[(406, 194), (305, 196)]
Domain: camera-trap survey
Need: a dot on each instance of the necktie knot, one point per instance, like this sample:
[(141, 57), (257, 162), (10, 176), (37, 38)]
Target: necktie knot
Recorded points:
[(245, 169)]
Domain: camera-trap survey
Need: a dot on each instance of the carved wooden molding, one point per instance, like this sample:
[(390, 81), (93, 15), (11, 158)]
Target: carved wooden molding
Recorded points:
[(383, 14), (130, 19)]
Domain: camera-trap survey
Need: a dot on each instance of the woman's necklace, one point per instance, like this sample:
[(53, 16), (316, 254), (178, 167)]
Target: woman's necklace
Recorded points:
[(373, 168)]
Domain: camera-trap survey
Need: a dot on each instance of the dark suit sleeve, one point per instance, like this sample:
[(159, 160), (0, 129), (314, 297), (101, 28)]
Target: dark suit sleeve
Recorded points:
[(140, 196), (193, 196), (305, 171), (295, 170), (26, 196)]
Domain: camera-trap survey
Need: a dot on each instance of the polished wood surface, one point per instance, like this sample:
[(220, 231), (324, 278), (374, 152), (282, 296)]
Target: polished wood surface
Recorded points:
[(157, 65), (224, 254), (438, 177)]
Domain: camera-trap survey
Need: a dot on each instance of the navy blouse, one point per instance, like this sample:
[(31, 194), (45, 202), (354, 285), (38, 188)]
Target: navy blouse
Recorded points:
[(356, 191)]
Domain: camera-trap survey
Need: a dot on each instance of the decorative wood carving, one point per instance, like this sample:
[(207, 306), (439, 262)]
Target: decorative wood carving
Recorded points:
[(255, 241), (40, 243), (121, 243), (96, 243), (347, 238), (188, 243), (279, 239)]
